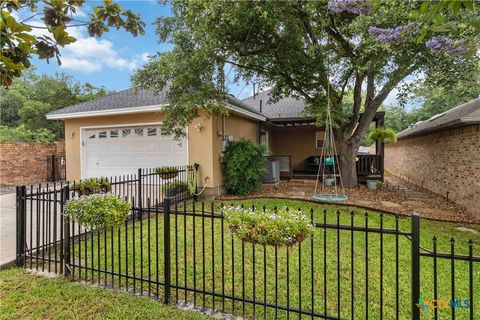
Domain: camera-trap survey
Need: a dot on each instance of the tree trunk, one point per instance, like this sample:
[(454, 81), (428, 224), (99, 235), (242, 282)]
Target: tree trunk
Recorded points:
[(348, 154)]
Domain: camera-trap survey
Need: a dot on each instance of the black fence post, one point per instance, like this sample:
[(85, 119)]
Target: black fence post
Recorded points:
[(64, 196), (139, 194), (415, 265), (21, 224), (166, 250)]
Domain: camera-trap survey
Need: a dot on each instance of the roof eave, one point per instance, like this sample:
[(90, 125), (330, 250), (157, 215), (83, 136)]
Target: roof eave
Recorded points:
[(448, 125), (108, 112)]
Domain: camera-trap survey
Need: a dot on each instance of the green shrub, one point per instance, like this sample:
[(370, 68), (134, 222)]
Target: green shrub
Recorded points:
[(243, 165), (91, 186), (175, 187), (20, 133), (98, 210), (276, 228)]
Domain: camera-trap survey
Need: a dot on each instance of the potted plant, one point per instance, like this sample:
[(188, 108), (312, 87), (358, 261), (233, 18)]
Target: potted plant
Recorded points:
[(329, 180), (374, 184), (167, 172), (264, 227), (92, 186)]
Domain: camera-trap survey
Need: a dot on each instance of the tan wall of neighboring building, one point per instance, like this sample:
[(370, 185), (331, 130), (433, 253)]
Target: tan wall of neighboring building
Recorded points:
[(298, 142), (204, 145), (447, 161)]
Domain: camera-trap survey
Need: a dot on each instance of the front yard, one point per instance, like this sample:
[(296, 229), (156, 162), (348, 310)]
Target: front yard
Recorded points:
[(28, 296), (253, 272)]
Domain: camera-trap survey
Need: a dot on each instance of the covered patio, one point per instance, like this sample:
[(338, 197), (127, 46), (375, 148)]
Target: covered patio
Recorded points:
[(297, 143)]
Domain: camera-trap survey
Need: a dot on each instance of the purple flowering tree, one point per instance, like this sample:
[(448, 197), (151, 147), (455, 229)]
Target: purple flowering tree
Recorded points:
[(357, 50)]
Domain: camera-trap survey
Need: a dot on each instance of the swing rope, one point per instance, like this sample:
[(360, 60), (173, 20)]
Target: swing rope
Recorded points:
[(329, 150)]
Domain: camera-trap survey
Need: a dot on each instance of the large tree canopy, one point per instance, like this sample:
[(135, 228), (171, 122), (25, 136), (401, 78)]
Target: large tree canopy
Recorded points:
[(30, 97), (19, 41), (308, 49)]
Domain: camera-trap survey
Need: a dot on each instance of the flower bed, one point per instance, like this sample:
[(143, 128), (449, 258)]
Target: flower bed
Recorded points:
[(276, 228)]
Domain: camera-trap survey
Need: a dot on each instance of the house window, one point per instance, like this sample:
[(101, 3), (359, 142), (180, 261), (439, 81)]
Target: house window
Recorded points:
[(139, 131), (126, 132), (319, 144), (113, 133), (102, 134), (151, 132), (92, 136)]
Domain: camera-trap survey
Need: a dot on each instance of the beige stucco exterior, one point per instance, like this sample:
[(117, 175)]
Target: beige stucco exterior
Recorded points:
[(298, 142), (205, 136)]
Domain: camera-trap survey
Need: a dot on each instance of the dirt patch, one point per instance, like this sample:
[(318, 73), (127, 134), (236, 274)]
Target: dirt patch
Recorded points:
[(397, 196)]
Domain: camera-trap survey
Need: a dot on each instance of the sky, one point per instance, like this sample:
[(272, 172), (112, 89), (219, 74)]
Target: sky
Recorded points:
[(111, 60)]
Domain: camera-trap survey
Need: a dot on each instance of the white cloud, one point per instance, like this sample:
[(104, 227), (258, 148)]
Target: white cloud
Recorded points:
[(89, 54), (82, 65)]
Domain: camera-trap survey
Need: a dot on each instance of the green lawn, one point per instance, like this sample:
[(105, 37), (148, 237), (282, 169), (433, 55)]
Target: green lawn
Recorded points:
[(28, 296), (291, 281)]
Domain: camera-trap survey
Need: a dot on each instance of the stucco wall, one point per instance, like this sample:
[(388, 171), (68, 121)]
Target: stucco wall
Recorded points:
[(298, 142), (445, 162), (236, 126), (204, 144)]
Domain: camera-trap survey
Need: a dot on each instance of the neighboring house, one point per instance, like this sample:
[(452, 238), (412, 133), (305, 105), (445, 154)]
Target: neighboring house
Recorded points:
[(442, 154), (116, 134)]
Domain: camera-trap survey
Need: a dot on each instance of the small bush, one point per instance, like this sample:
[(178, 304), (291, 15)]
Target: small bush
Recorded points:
[(243, 165), (175, 187), (276, 228), (91, 186), (20, 133), (98, 210)]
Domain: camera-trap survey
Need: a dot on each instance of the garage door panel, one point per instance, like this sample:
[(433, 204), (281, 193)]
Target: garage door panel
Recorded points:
[(122, 150)]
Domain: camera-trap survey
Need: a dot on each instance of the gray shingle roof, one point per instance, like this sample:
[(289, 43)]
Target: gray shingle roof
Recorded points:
[(287, 107), (133, 98), (467, 113), (129, 98)]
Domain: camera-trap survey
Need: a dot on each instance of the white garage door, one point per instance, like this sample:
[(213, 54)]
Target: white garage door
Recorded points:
[(122, 150)]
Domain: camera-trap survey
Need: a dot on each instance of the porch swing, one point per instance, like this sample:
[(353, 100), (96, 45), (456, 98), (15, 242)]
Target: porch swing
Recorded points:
[(327, 158)]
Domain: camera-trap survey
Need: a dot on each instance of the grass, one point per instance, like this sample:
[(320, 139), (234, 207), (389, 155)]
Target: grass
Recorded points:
[(287, 282), (28, 296)]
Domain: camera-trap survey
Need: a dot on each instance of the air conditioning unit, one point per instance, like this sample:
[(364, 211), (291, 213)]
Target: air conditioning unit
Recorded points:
[(272, 175)]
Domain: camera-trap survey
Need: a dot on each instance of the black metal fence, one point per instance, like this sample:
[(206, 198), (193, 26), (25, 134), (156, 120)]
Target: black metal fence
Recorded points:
[(354, 266)]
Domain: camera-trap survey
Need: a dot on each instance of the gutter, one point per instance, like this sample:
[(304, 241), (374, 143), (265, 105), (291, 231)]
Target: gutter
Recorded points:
[(460, 122)]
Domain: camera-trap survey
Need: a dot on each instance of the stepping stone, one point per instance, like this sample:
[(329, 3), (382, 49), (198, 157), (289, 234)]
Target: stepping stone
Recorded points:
[(414, 204), (389, 204), (365, 203), (464, 229)]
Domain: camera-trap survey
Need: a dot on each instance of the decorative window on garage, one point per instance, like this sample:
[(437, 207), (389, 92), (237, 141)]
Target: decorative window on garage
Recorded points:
[(151, 132), (113, 133), (164, 132), (102, 134), (139, 131), (126, 132), (92, 136)]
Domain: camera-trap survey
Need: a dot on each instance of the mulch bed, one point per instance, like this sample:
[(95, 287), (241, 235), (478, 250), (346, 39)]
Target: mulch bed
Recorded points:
[(397, 196)]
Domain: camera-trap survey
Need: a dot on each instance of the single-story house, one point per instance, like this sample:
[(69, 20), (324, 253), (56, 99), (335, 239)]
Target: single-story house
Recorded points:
[(442, 154), (118, 133)]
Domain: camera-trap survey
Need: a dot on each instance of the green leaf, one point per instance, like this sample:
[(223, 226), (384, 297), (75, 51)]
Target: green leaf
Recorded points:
[(440, 28)]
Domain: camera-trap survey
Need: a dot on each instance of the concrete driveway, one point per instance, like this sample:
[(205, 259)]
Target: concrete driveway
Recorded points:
[(7, 229)]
